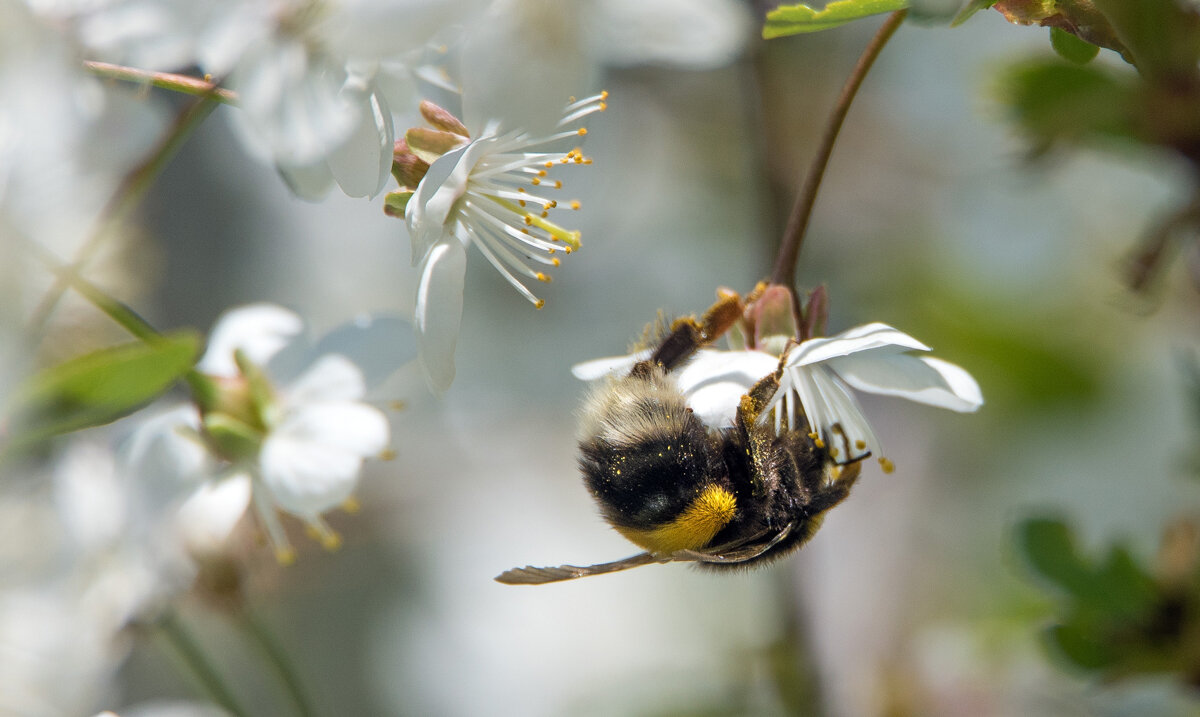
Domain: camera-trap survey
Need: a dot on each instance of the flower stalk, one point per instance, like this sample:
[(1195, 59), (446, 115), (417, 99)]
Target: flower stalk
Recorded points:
[(784, 271)]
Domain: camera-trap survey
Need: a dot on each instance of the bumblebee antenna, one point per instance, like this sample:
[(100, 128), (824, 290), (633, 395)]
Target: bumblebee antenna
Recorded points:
[(531, 575)]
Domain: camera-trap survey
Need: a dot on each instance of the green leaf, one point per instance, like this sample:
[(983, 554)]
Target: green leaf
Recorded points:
[(1162, 36), (1049, 547), (970, 9), (1077, 644), (1071, 48), (1055, 101), (795, 19), (98, 388), (1123, 588)]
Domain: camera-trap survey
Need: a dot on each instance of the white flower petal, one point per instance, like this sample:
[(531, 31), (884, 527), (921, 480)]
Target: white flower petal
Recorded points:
[(692, 34), (918, 378), (443, 185), (311, 462), (607, 366), (309, 182), (362, 163), (715, 381), (208, 516), (330, 378), (378, 344), (259, 330), (439, 310), (869, 337)]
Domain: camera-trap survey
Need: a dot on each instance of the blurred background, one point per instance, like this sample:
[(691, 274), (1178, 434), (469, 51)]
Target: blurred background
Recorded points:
[(911, 600)]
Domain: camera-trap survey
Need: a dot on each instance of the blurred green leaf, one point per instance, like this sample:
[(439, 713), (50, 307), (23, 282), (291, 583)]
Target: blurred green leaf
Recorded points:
[(1122, 587), (1053, 101), (970, 9), (1162, 36), (795, 19), (1078, 644), (1071, 48), (1049, 546), (99, 387)]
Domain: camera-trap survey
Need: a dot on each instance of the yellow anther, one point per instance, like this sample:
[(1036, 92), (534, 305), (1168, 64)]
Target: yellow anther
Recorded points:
[(571, 99), (541, 173), (285, 556), (812, 435), (554, 260), (387, 454), (603, 106), (548, 165), (860, 444), (528, 220), (351, 505), (521, 189), (576, 204), (558, 184), (833, 452), (545, 214), (543, 278), (521, 202), (587, 160), (553, 203), (397, 405), (582, 131), (524, 230), (819, 443), (535, 181), (887, 465), (331, 541), (550, 250), (568, 249), (540, 303), (604, 94)]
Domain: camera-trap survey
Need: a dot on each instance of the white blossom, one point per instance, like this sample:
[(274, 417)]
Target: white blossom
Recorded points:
[(815, 384), (307, 438), (494, 193)]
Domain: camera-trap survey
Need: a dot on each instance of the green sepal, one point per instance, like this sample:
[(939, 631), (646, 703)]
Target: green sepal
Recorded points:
[(232, 439), (970, 9), (1071, 47), (261, 393), (98, 388), (395, 203), (800, 18)]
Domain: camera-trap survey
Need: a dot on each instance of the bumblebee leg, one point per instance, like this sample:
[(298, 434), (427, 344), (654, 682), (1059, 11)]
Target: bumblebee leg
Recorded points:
[(688, 334), (827, 495)]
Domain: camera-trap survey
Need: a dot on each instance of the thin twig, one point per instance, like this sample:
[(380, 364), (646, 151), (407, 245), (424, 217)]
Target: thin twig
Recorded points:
[(188, 649), (127, 196), (271, 650), (784, 271), (164, 80)]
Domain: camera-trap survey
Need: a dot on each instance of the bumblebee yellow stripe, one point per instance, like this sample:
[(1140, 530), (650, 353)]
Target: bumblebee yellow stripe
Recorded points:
[(694, 528)]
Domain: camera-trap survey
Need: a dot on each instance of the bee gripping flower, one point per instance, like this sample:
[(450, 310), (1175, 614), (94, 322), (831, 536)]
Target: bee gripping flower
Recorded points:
[(816, 382), (493, 192), (875, 358)]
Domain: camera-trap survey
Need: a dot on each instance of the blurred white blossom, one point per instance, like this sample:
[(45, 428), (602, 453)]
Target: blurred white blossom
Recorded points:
[(295, 445), (83, 559)]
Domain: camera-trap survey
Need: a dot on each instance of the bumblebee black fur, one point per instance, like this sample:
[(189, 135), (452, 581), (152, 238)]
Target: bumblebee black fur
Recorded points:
[(647, 459), (726, 498)]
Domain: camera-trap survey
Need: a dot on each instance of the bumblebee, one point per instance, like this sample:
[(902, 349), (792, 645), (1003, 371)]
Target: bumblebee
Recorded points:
[(724, 498)]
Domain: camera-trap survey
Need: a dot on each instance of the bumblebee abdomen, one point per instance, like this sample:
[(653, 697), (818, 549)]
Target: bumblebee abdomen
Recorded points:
[(653, 467)]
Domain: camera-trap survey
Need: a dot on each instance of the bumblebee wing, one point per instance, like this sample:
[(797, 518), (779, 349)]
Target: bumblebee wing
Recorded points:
[(530, 575)]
